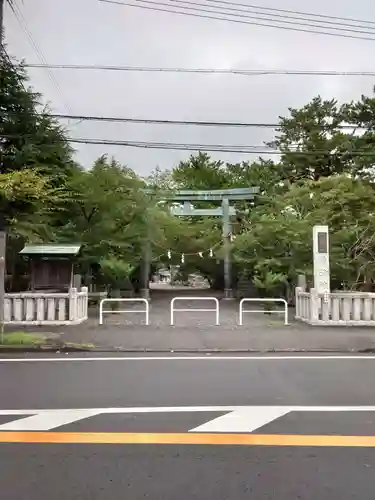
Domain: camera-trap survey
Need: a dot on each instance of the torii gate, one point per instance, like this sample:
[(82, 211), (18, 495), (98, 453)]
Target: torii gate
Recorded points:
[(225, 211)]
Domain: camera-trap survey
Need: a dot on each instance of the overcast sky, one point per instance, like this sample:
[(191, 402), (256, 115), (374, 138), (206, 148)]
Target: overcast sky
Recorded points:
[(90, 32)]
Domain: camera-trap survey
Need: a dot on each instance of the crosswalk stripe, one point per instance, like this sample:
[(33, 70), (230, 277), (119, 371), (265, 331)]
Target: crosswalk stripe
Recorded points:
[(244, 420), (45, 421)]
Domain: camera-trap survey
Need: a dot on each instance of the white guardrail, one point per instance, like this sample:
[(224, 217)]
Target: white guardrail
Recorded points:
[(144, 311), (216, 310), (283, 301)]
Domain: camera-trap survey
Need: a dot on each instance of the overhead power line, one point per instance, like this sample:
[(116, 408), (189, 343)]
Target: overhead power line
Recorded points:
[(277, 18), (223, 148), (230, 148), (219, 148), (243, 72), (367, 25), (120, 119), (198, 123), (310, 14), (23, 23), (236, 18)]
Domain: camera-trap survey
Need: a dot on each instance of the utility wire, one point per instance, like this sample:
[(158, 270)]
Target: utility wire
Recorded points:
[(238, 21), (179, 146), (23, 23), (288, 11), (154, 121), (297, 15), (244, 72), (119, 119), (273, 17), (219, 148), (212, 147)]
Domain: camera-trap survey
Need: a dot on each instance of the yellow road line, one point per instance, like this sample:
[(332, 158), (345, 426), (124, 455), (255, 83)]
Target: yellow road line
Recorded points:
[(185, 438)]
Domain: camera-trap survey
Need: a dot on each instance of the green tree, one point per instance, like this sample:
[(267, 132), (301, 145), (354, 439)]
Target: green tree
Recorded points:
[(29, 136), (361, 115), (30, 140), (112, 216), (35, 164), (26, 201), (160, 180), (314, 143), (264, 174), (200, 172), (279, 235)]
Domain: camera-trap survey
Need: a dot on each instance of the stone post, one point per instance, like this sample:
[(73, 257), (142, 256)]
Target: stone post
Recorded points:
[(301, 282), (73, 304), (298, 306), (77, 281), (85, 302), (314, 306)]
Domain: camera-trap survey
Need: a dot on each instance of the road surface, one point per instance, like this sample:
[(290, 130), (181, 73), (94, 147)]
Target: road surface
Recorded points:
[(187, 427)]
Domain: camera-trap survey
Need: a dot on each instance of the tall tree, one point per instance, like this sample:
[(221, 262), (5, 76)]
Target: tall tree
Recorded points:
[(279, 235), (109, 214), (29, 137), (314, 142), (361, 115), (35, 164), (30, 141), (200, 172)]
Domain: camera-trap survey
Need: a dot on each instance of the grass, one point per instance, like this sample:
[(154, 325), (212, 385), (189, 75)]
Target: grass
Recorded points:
[(22, 338), (79, 346)]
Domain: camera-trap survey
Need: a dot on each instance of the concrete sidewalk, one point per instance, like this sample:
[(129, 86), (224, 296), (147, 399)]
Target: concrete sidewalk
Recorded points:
[(196, 331)]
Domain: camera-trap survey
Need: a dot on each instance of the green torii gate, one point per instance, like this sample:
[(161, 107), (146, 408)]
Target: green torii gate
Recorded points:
[(225, 211)]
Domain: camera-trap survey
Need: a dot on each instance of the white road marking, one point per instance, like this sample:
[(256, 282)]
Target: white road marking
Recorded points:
[(189, 358), (238, 418), (191, 409), (244, 420), (45, 421)]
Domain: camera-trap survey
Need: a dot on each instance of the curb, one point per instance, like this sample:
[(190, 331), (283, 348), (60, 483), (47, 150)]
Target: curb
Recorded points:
[(43, 348), (72, 349), (233, 351)]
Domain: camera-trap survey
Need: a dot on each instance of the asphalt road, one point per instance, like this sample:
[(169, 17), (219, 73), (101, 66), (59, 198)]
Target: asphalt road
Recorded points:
[(250, 427)]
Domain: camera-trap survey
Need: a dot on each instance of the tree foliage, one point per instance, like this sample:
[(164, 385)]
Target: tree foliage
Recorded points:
[(26, 199), (279, 234), (325, 176), (29, 137), (108, 213), (35, 157), (324, 138)]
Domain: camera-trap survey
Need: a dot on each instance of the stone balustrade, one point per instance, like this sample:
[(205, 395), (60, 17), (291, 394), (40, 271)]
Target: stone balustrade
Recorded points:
[(29, 308), (335, 308)]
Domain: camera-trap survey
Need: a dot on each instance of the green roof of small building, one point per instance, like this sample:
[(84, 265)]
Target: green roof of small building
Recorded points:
[(51, 249)]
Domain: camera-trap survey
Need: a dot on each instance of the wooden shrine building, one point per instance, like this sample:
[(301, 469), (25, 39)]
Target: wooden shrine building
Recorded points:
[(51, 266)]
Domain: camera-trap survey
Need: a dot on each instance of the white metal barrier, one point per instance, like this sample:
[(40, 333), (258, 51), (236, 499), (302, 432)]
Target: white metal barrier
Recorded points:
[(145, 311), (283, 301), (216, 310)]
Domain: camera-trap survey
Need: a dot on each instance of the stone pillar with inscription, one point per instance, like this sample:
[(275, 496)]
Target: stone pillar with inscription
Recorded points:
[(321, 259)]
